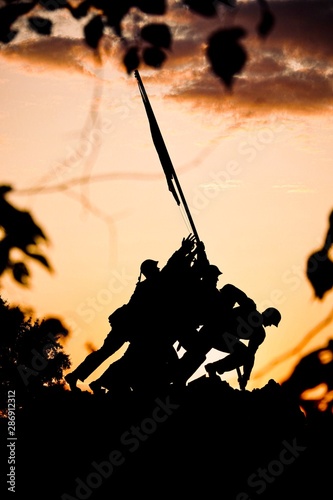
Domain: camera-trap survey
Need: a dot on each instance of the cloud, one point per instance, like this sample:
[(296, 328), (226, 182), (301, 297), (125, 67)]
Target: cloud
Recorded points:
[(289, 70), (294, 188), (54, 53), (221, 186), (305, 25)]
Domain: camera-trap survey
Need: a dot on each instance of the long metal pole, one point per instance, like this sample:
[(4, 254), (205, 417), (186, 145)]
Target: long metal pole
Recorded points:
[(169, 163), (187, 210)]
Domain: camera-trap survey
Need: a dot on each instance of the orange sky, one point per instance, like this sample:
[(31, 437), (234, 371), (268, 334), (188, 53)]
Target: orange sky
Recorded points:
[(255, 166)]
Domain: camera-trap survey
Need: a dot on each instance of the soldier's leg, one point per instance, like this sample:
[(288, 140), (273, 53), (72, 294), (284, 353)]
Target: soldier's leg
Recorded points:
[(112, 343), (118, 377), (195, 355), (187, 366), (115, 379), (235, 359)]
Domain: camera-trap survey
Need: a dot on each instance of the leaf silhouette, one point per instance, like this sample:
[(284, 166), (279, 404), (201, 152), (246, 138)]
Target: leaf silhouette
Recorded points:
[(319, 272), (93, 31), (20, 273), (5, 189), (81, 10), (40, 25), (226, 55), (319, 268), (54, 326), (230, 3), (114, 11), (19, 225), (158, 34), (4, 255), (205, 8), (8, 15), (22, 232), (131, 60), (153, 56), (157, 7), (55, 5), (267, 20), (7, 35), (40, 258)]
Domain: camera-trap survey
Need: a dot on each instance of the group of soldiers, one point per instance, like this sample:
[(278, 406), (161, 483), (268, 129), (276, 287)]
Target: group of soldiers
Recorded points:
[(178, 306)]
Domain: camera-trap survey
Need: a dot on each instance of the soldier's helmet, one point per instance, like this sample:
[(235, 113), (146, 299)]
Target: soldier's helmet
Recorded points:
[(273, 315), (148, 266), (213, 270)]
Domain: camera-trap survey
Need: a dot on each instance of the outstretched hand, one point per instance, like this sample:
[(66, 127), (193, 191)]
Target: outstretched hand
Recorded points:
[(188, 243)]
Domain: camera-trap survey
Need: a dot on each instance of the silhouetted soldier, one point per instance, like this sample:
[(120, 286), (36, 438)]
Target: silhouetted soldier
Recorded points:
[(197, 299), (145, 367), (224, 324), (211, 308), (146, 318), (121, 325), (166, 313), (250, 325)]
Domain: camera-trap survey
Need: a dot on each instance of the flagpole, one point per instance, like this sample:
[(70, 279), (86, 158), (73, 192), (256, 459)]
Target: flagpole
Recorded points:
[(188, 213), (166, 162)]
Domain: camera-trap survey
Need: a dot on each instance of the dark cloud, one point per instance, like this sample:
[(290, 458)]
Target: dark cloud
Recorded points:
[(304, 25), (54, 53), (291, 68)]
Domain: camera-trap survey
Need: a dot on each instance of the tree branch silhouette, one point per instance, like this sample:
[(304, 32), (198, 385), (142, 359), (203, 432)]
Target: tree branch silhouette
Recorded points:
[(296, 349)]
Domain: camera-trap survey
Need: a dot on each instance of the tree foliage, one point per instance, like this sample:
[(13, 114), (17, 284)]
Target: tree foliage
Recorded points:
[(31, 356), (319, 269), (19, 232), (149, 44)]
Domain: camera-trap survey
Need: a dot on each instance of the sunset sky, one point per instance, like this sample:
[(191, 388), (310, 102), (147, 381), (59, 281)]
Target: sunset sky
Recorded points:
[(255, 165)]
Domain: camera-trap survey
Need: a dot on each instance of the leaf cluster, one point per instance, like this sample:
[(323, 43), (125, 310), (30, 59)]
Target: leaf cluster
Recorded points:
[(151, 43), (319, 268), (20, 232), (31, 356)]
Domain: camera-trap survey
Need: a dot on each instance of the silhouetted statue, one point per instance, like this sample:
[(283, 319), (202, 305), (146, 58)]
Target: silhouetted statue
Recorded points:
[(249, 326), (312, 370), (120, 324), (319, 265), (145, 367), (166, 315), (202, 301), (146, 320)]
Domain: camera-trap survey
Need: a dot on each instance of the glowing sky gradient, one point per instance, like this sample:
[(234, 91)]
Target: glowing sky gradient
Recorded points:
[(255, 165)]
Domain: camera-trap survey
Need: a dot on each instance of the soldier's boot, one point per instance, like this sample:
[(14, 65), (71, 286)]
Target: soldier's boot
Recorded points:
[(97, 388), (71, 380)]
